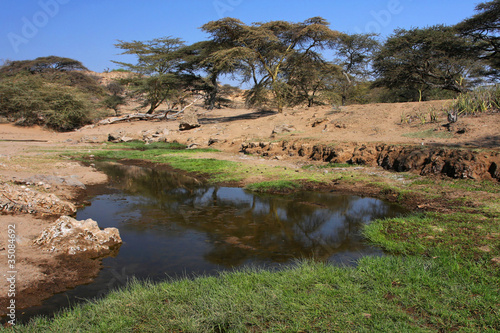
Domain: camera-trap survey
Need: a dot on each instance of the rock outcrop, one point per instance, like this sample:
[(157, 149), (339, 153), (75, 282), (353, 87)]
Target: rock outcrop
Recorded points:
[(69, 236), (22, 199), (118, 137)]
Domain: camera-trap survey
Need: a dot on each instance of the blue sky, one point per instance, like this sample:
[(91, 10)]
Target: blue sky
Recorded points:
[(87, 30)]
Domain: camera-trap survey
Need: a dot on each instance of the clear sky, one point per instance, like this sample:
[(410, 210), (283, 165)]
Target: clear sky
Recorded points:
[(86, 30)]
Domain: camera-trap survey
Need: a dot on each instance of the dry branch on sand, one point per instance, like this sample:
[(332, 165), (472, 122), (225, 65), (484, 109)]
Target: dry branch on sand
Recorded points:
[(161, 115)]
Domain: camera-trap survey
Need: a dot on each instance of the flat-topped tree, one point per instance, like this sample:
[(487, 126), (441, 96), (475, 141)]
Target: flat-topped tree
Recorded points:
[(268, 46), (157, 68), (41, 65)]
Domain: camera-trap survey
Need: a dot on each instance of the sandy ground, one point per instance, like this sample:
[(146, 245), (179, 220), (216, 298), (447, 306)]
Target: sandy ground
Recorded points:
[(41, 274), (356, 123)]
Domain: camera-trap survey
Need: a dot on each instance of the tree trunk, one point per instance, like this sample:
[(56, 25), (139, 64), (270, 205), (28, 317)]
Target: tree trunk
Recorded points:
[(310, 102), (212, 96)]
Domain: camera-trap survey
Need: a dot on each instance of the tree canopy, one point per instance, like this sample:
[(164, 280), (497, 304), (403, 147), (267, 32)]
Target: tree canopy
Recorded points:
[(49, 91), (484, 28), (423, 59), (41, 64), (354, 54), (157, 67), (266, 48)]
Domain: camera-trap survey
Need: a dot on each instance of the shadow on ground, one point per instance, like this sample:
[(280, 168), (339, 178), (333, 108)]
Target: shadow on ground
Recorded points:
[(486, 142), (246, 116)]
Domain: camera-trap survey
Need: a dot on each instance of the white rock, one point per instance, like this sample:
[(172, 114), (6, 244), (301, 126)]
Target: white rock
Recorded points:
[(71, 236)]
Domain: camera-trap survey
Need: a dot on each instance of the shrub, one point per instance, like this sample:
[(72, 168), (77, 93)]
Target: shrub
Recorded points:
[(479, 100), (30, 100), (50, 91)]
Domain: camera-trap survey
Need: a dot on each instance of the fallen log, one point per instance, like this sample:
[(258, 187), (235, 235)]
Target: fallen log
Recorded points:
[(162, 115)]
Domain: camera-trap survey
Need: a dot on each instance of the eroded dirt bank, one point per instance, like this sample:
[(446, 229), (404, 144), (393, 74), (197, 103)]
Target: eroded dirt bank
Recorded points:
[(451, 162)]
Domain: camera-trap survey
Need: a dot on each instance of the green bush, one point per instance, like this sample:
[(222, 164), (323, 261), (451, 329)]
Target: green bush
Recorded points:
[(29, 100), (50, 91)]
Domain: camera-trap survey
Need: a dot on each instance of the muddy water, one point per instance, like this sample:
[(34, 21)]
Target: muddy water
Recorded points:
[(172, 225)]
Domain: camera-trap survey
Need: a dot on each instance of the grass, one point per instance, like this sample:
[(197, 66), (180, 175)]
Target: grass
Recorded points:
[(173, 154), (140, 145), (439, 274), (192, 160), (389, 294), (464, 234), (275, 186)]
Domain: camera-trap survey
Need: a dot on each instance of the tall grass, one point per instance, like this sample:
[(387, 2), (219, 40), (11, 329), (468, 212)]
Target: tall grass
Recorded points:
[(478, 101)]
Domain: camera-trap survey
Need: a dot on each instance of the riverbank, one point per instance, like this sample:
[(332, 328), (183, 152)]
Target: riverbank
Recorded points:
[(455, 232)]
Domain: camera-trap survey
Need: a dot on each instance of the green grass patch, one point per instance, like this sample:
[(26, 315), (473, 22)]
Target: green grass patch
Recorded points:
[(174, 155), (215, 170), (473, 185), (276, 186), (140, 145), (389, 294), (168, 146), (423, 182), (468, 235)]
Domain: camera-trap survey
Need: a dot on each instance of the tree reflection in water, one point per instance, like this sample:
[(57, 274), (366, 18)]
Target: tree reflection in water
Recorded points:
[(239, 226)]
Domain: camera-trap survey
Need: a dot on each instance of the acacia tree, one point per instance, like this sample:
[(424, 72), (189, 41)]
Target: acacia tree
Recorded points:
[(309, 76), (49, 91), (354, 54), (202, 56), (484, 29), (157, 71), (268, 46), (424, 59), (41, 65)]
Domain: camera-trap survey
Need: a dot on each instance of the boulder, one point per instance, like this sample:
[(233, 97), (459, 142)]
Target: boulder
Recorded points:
[(319, 121), (282, 129), (189, 121), (150, 136), (119, 136), (69, 236), (114, 137)]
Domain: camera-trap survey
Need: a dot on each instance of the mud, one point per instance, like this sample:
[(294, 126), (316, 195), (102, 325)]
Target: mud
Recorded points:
[(58, 274)]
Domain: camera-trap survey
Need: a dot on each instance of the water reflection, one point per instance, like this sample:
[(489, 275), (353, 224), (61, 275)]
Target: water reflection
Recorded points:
[(234, 226)]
